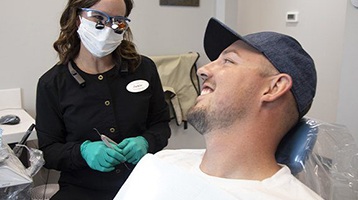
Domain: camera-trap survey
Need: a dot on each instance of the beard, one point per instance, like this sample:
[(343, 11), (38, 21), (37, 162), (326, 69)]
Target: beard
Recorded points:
[(205, 121), (197, 117)]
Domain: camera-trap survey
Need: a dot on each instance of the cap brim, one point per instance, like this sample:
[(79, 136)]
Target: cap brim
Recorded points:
[(218, 37)]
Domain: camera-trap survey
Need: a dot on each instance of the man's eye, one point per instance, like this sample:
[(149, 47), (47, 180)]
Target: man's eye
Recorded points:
[(228, 61)]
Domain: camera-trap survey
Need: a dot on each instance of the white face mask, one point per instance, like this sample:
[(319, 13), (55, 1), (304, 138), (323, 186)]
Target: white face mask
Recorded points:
[(100, 42)]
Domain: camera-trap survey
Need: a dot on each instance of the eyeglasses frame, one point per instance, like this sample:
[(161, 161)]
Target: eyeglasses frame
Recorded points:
[(109, 18)]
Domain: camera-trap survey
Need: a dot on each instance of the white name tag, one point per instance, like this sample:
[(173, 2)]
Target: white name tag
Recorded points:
[(137, 86)]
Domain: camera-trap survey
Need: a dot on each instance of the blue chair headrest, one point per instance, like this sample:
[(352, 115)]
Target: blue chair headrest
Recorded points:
[(297, 145)]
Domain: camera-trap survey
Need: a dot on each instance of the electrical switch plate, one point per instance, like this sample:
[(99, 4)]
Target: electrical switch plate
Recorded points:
[(292, 17)]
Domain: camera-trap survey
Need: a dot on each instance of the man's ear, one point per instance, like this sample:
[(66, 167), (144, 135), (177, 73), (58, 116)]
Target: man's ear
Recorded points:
[(279, 85)]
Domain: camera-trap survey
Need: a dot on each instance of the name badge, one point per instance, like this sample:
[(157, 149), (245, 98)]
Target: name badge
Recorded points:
[(137, 86)]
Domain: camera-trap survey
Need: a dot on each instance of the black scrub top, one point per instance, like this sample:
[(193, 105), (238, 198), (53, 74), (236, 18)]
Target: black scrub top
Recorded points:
[(119, 105)]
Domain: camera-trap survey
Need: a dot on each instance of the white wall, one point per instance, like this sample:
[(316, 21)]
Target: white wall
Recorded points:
[(27, 30), (162, 30), (348, 96), (326, 29)]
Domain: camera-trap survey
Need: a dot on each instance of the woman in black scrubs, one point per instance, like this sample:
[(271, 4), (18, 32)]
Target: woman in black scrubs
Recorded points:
[(100, 83)]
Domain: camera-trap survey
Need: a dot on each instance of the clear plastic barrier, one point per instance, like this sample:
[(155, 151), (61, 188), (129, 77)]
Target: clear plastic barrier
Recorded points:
[(331, 169), (15, 179)]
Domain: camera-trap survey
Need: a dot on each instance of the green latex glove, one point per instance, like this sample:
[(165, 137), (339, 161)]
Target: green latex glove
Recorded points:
[(134, 148), (100, 157)]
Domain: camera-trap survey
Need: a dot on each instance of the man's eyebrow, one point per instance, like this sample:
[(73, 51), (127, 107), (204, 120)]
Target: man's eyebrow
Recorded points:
[(228, 51)]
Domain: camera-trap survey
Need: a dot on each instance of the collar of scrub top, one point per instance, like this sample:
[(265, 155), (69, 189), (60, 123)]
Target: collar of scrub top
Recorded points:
[(118, 23)]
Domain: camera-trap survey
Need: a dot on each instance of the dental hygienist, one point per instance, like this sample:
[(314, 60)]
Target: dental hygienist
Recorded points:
[(100, 83)]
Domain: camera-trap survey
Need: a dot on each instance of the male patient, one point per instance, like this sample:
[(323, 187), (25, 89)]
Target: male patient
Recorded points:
[(254, 91)]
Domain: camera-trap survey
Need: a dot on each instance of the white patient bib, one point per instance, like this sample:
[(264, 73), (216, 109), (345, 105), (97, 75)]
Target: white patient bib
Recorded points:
[(155, 179)]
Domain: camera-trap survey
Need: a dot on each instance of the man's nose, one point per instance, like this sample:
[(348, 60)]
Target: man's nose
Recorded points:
[(205, 71), (202, 73)]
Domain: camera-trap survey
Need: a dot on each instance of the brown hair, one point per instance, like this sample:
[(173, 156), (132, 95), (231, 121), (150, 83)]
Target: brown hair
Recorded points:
[(68, 43)]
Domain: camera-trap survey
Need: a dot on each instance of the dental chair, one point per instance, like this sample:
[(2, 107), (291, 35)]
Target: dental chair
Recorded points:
[(323, 156)]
